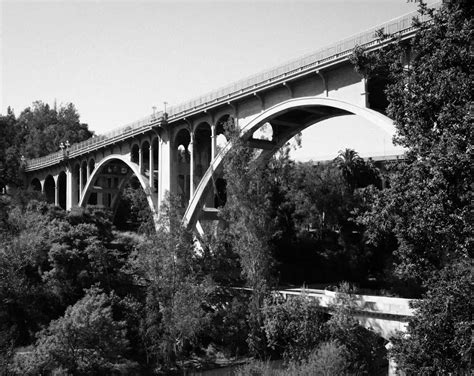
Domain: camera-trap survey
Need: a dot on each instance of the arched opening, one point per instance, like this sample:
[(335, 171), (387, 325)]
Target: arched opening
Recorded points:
[(62, 189), (91, 166), (145, 167), (35, 185), (49, 189), (76, 177), (202, 151), (135, 154), (182, 164), (377, 99), (224, 123), (83, 174)]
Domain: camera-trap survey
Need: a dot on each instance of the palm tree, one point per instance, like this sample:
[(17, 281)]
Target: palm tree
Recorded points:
[(349, 162)]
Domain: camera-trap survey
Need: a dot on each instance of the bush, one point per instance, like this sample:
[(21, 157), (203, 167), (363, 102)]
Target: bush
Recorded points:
[(293, 327), (329, 359)]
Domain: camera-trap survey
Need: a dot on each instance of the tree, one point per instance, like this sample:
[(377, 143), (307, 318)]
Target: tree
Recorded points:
[(40, 129), (439, 339), (86, 340), (177, 294), (9, 153), (428, 206), (249, 228)]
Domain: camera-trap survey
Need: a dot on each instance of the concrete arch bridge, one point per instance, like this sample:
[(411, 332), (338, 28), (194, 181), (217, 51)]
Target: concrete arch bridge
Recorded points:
[(179, 151)]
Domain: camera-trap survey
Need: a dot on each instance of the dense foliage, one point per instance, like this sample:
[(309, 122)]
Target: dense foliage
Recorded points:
[(37, 131), (428, 207)]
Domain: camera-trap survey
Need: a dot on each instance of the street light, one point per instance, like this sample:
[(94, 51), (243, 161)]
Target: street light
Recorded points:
[(65, 148)]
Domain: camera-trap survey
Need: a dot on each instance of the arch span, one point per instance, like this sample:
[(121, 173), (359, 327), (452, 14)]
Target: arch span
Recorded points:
[(286, 119), (135, 171)]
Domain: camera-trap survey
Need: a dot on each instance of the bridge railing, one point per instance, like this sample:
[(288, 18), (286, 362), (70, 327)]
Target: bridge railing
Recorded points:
[(94, 142), (398, 26)]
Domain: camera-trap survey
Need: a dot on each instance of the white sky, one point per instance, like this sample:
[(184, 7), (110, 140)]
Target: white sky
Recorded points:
[(116, 59)]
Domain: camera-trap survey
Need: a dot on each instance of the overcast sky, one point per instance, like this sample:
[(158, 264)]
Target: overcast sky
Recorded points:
[(116, 59)]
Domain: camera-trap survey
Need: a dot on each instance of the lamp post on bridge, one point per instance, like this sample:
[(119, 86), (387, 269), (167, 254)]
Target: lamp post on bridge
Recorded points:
[(65, 149)]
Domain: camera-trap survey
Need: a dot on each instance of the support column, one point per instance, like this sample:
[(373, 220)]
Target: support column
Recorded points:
[(56, 191), (213, 142), (325, 82), (191, 166), (365, 93), (81, 182), (88, 171), (392, 365), (165, 166), (150, 166), (70, 189), (159, 187), (140, 159)]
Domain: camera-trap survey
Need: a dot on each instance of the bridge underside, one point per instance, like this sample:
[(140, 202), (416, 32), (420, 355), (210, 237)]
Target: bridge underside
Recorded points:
[(267, 133)]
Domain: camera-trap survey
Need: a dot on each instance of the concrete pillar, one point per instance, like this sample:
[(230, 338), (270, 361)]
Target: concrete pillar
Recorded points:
[(81, 182), (140, 159), (88, 170), (56, 190), (100, 198), (213, 142), (191, 165), (365, 93), (150, 177), (159, 188), (392, 365), (71, 192)]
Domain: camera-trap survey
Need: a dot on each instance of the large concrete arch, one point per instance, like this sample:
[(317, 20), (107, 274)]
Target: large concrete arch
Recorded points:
[(133, 167), (287, 119)]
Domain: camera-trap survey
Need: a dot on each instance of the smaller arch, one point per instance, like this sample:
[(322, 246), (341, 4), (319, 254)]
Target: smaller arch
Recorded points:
[(181, 144), (135, 154), (62, 190), (91, 166), (35, 185), (83, 174), (145, 148), (76, 177), (49, 189), (224, 122)]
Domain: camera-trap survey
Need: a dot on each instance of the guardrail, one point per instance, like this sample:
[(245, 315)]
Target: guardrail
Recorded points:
[(398, 26), (93, 143)]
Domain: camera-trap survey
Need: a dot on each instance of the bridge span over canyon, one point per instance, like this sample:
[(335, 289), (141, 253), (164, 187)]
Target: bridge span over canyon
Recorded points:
[(178, 152)]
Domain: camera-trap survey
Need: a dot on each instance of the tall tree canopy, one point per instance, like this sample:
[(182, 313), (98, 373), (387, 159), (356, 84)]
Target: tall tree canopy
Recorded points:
[(429, 204), (38, 131)]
